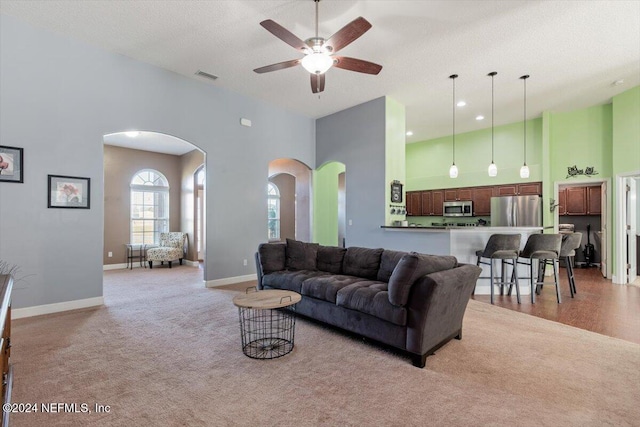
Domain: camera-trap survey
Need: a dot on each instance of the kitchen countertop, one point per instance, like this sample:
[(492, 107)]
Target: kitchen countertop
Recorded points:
[(455, 227)]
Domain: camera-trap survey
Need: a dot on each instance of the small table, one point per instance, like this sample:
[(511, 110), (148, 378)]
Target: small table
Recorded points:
[(267, 322), (135, 251)]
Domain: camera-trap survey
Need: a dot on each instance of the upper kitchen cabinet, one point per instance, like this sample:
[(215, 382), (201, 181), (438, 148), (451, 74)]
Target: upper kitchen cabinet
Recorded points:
[(456, 194), (481, 197), (427, 203), (414, 203), (594, 200), (528, 189), (437, 198), (580, 200)]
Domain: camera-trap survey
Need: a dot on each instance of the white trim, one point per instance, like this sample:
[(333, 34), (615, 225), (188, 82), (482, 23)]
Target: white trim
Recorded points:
[(620, 249), (117, 266), (19, 313), (191, 263), (230, 280)]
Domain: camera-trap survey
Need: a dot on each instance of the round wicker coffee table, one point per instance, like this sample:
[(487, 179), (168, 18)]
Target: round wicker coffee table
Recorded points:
[(267, 322)]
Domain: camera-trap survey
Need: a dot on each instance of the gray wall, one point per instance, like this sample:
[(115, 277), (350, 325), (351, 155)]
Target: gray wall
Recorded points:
[(59, 97), (356, 137)]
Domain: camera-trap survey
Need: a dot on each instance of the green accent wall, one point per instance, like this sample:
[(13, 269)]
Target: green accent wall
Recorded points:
[(582, 138), (325, 203), (626, 131), (428, 162), (395, 156)]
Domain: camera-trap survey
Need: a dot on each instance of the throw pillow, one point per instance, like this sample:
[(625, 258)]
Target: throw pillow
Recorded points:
[(330, 259), (362, 262), (272, 257), (301, 255)]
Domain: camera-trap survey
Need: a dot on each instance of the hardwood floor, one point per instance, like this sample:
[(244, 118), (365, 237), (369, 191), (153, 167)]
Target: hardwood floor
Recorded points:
[(599, 306)]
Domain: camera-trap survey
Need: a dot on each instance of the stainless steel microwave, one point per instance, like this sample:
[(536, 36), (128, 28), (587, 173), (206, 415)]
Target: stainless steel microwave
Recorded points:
[(464, 208)]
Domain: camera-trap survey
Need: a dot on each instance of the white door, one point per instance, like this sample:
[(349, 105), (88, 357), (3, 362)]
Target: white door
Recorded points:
[(631, 227), (603, 230)]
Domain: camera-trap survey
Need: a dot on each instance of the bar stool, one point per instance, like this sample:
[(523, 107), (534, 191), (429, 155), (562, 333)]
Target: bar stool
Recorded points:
[(545, 248), (570, 242), (501, 247)]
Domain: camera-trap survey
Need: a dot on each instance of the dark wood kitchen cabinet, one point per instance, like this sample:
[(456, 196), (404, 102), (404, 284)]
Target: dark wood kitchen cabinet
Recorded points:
[(437, 198), (427, 203), (594, 200), (481, 197), (580, 201), (576, 200), (528, 189), (414, 203), (456, 194)]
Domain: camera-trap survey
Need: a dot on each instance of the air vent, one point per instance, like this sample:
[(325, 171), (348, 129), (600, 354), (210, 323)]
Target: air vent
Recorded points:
[(206, 75)]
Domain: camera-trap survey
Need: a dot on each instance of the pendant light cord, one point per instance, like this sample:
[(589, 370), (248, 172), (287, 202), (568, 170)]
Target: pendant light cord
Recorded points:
[(525, 118), (453, 77), (492, 74)]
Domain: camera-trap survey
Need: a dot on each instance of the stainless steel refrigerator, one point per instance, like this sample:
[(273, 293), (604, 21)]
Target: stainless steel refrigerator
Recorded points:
[(516, 211)]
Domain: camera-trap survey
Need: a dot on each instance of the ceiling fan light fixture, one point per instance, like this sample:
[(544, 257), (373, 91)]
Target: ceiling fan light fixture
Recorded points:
[(317, 63)]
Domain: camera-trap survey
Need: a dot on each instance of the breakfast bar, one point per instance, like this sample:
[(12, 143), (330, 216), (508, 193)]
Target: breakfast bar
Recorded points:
[(463, 242)]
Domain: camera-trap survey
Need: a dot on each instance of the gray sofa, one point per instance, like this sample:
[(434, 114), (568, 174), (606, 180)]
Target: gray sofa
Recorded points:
[(410, 301)]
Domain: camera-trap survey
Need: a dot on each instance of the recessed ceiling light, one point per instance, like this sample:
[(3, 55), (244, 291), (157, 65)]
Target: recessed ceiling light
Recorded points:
[(479, 118), (461, 104), (618, 82), (409, 133), (132, 134)]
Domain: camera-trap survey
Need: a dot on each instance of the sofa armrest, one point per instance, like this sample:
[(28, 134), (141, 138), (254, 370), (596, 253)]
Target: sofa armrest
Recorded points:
[(436, 306), (259, 271)]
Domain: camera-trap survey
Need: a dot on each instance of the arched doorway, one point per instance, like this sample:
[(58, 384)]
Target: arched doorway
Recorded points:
[(127, 153), (293, 181)]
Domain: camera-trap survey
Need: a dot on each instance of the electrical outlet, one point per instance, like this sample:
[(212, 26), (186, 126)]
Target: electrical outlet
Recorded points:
[(244, 262), (110, 254), (350, 222)]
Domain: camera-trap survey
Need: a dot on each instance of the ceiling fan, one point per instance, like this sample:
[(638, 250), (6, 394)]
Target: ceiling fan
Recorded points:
[(320, 53)]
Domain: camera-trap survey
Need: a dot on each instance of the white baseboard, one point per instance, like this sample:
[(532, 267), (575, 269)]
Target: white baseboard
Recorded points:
[(230, 280), (191, 263), (116, 266), (19, 313)]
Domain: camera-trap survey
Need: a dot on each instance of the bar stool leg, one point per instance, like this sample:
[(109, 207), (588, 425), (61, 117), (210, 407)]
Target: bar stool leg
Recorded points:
[(503, 276), (567, 262), (573, 278), (555, 276), (491, 279), (514, 278), (473, 292), (533, 284)]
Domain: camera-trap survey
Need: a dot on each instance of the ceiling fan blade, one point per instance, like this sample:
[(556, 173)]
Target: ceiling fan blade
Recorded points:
[(348, 34), (278, 66), (317, 83), (283, 34), (353, 64)]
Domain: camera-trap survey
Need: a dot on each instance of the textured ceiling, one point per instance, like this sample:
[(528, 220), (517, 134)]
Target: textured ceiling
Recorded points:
[(573, 50)]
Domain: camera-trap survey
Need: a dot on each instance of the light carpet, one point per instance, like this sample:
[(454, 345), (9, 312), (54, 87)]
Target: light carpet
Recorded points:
[(165, 351)]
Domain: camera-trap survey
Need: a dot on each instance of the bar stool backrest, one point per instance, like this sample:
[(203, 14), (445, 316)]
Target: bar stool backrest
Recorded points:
[(501, 242), (542, 243), (570, 243)]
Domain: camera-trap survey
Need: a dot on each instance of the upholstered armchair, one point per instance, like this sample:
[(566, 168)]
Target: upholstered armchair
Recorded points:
[(172, 247)]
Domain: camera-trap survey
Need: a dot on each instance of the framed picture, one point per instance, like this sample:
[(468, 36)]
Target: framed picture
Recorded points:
[(11, 164), (396, 192), (69, 192)]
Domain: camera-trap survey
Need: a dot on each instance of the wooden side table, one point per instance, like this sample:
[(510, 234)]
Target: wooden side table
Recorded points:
[(267, 322)]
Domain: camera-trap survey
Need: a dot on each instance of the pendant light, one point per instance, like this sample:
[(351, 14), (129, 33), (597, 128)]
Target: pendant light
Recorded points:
[(453, 170), (493, 169), (524, 170)]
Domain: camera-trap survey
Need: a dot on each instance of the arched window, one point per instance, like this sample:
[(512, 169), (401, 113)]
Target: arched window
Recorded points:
[(149, 206), (273, 210)]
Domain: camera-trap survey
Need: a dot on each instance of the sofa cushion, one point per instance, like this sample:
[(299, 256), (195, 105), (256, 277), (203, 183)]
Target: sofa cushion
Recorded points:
[(411, 267), (289, 280), (362, 262), (272, 257), (330, 259), (371, 297), (326, 287), (388, 262), (301, 255)]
